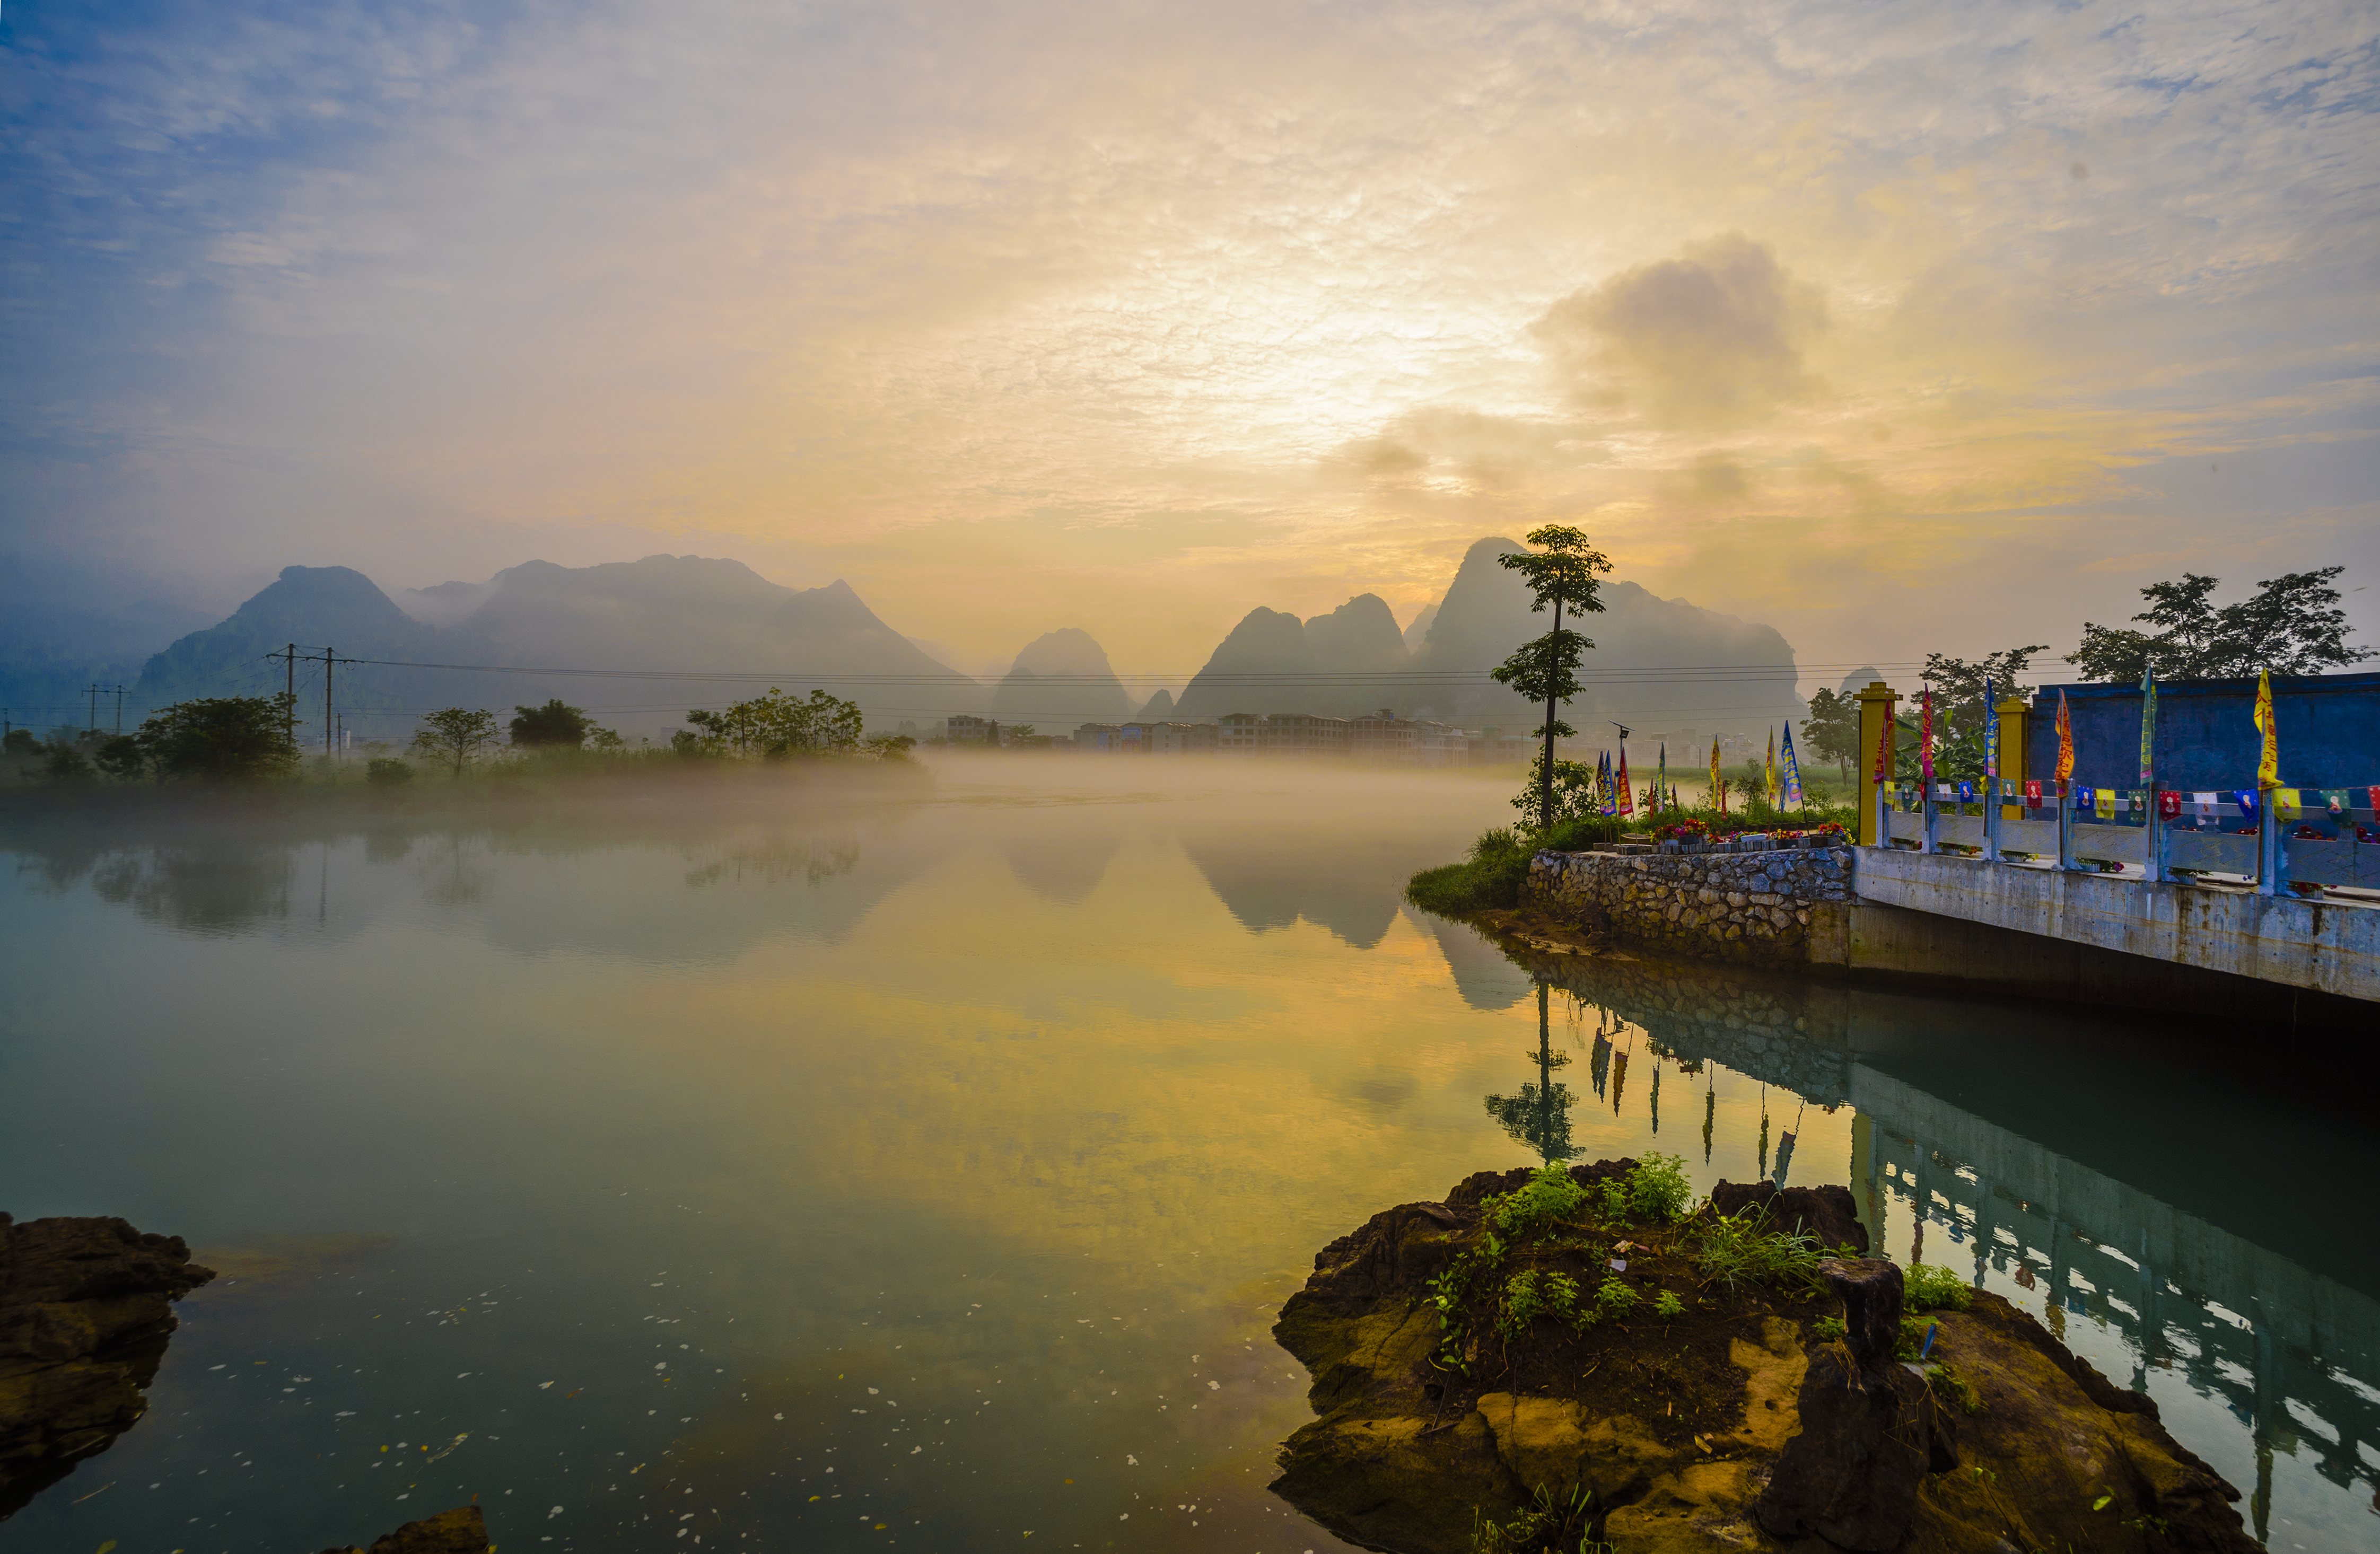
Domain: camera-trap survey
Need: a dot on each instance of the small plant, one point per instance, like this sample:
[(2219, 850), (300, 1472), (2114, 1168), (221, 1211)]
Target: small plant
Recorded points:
[(1522, 1306), (1929, 1287), (1735, 1251), (1669, 1308), (1912, 1344), (1829, 1329), (1954, 1388), (1451, 1291), (1554, 1525), (1653, 1192), (1534, 1210), (384, 772), (1614, 1299)]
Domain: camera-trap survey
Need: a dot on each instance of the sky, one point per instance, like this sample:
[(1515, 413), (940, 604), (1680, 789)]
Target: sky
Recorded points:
[(1905, 328)]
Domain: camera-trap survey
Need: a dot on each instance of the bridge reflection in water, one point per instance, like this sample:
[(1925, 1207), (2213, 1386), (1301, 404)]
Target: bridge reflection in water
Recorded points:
[(2183, 1219)]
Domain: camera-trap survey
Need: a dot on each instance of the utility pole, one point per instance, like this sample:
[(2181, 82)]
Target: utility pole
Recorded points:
[(327, 661), (93, 724), (119, 708)]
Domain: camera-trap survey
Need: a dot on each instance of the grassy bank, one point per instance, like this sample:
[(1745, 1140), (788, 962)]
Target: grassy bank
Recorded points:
[(1491, 879)]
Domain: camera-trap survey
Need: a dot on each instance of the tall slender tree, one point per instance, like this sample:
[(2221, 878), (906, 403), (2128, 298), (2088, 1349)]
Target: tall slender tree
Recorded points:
[(1562, 573)]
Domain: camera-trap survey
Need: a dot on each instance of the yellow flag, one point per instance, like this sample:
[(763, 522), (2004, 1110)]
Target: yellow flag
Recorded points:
[(1717, 802), (2268, 765), (1769, 773)]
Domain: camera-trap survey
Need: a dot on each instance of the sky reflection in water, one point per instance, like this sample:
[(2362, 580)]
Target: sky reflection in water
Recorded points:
[(930, 1172)]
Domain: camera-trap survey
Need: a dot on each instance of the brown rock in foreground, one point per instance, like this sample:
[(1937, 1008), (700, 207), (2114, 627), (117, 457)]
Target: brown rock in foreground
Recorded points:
[(460, 1531), (85, 1313), (1727, 1423)]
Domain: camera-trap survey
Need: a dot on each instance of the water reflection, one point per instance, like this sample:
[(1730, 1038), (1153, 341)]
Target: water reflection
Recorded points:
[(1040, 1102), (1967, 1122), (1539, 1115)]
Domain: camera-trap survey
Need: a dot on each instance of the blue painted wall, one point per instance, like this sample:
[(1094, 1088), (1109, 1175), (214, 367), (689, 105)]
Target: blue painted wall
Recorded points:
[(2206, 733)]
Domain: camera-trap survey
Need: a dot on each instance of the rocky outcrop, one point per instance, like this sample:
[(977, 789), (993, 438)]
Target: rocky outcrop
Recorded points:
[(1729, 1422), (460, 1531), (85, 1313), (1827, 1212)]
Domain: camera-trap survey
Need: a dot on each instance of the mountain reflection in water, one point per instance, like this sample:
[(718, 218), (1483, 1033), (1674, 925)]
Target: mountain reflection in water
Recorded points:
[(1024, 1104)]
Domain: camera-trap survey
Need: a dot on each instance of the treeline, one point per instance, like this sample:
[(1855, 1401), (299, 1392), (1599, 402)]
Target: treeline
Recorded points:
[(253, 739)]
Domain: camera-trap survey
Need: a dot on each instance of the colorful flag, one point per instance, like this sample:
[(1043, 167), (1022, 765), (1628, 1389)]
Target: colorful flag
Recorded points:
[(2169, 805), (2148, 726), (2065, 740), (2033, 793), (1991, 734), (1661, 779), (1792, 774), (1883, 746), (1769, 773), (2288, 804), (1627, 796), (1718, 798), (2268, 765), (1925, 736), (2105, 803), (2246, 800)]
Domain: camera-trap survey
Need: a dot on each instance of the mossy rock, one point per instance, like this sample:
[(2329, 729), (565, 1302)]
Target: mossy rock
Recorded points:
[(1732, 1424)]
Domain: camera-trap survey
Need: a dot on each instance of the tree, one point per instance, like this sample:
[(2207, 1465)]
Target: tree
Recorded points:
[(2291, 625), (1573, 791), (1831, 731), (1962, 712), (553, 724), (229, 738), (778, 724), (1563, 572), (455, 736), (64, 763), (121, 757)]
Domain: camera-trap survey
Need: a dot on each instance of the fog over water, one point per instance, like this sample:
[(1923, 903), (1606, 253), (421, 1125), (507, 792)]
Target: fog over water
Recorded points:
[(794, 1168)]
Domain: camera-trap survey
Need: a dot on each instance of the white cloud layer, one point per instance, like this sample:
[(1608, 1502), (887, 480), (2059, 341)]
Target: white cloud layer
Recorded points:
[(1928, 326)]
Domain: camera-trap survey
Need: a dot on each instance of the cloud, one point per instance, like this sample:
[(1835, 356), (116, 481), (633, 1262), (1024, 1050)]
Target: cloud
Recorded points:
[(1708, 341)]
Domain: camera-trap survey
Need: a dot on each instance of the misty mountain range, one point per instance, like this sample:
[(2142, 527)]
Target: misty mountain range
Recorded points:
[(640, 642)]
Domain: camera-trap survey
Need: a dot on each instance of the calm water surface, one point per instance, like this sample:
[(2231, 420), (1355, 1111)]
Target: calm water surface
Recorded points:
[(818, 1173)]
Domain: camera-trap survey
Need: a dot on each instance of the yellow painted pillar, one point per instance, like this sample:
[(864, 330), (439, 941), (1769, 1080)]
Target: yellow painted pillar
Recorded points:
[(1875, 704), (2016, 725)]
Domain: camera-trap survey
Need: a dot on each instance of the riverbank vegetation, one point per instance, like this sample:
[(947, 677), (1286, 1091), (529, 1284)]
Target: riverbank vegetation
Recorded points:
[(248, 745), (1489, 879)]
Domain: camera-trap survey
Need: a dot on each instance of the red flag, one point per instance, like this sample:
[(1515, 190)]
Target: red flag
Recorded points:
[(2168, 803), (1627, 803)]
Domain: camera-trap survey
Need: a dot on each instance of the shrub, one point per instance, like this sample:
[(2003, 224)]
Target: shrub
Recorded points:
[(388, 773), (1614, 1299), (1536, 1209), (1654, 1191), (1669, 1308), (1929, 1287)]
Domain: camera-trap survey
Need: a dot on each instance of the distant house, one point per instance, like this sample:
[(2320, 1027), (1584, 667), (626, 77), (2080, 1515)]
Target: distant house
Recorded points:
[(964, 729), (1099, 736)]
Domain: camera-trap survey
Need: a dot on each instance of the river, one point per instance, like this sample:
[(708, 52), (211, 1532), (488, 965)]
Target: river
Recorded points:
[(835, 1172)]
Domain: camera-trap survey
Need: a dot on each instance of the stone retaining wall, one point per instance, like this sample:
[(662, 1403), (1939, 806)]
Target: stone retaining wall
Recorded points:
[(1785, 908)]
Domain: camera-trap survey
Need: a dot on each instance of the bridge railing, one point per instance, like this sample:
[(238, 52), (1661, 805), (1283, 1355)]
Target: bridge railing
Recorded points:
[(2311, 838)]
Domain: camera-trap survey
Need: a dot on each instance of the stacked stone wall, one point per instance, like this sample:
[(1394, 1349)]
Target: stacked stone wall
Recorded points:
[(1785, 909)]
